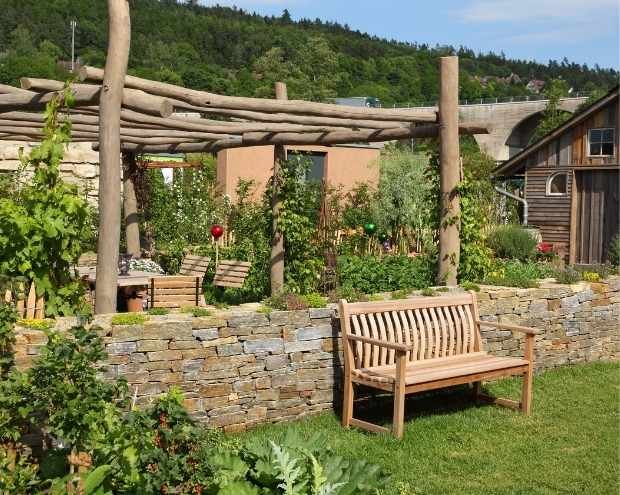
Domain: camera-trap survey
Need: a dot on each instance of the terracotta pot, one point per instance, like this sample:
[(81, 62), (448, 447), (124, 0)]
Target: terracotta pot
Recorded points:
[(135, 303)]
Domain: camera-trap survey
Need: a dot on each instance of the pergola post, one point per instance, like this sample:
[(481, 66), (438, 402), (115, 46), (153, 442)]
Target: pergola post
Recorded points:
[(277, 240), (119, 36), (449, 227), (130, 206)]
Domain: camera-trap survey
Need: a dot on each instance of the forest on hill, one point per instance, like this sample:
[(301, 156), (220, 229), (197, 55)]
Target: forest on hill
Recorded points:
[(230, 51)]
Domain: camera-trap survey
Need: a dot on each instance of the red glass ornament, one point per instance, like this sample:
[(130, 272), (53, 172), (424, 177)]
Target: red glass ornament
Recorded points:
[(217, 231)]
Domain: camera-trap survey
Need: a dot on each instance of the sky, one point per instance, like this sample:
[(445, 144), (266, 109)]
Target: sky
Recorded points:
[(583, 31)]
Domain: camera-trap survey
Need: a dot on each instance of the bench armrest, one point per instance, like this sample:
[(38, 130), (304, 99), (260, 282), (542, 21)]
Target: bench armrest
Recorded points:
[(381, 343), (512, 328)]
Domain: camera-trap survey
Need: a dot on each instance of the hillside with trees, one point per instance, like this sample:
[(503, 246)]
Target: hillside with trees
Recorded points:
[(231, 51)]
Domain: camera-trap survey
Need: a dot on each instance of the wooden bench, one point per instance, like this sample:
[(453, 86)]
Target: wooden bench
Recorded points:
[(174, 291), (231, 273), (194, 265), (419, 344)]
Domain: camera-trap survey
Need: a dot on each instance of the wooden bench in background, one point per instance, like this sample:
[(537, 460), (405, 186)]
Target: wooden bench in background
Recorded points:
[(231, 273), (194, 265), (174, 291), (419, 344)]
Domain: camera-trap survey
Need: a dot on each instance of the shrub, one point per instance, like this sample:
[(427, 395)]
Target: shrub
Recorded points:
[(568, 276), (428, 292), (514, 273), (314, 300), (590, 276), (512, 242), (401, 294), (158, 311), (349, 293), (614, 251), (129, 319), (370, 274), (470, 286)]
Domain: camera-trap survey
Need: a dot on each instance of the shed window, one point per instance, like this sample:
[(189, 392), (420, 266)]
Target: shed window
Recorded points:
[(557, 184), (601, 142)]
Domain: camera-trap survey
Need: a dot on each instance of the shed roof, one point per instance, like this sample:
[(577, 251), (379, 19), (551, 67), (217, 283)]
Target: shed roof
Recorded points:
[(516, 164)]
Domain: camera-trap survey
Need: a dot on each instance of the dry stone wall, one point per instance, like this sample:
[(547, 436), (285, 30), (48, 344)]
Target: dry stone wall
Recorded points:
[(241, 368), (80, 165)]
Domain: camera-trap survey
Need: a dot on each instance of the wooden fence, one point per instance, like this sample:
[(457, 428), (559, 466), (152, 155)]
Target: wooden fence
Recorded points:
[(30, 306)]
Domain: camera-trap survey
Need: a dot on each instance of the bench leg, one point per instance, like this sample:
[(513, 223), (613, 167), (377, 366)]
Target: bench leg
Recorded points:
[(526, 391), (398, 423), (475, 391), (347, 401)]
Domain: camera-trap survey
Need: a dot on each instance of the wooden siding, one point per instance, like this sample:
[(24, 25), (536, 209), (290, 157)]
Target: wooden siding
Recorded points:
[(596, 214), (571, 148), (549, 213)]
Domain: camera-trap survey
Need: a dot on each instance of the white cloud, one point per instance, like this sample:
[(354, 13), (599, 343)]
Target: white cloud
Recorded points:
[(536, 10)]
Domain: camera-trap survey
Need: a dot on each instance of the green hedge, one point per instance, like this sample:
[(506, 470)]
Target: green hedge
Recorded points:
[(370, 274)]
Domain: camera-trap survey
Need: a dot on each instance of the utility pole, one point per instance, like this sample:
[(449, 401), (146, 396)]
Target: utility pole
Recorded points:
[(73, 26)]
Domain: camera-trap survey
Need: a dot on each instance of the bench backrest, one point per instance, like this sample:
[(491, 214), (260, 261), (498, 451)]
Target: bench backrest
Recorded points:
[(174, 292), (193, 265), (436, 327), (231, 273)]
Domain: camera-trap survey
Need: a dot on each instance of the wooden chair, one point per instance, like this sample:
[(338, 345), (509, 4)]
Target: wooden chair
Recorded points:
[(419, 344), (195, 266), (174, 291), (231, 273)]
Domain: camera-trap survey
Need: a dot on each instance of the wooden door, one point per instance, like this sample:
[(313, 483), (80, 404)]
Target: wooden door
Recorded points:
[(596, 214)]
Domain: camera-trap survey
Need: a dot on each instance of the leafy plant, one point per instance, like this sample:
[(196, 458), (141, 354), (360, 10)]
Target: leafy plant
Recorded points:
[(589, 276), (614, 251), (8, 317), (129, 319), (512, 242), (18, 473), (514, 273), (42, 226), (66, 389), (293, 465)]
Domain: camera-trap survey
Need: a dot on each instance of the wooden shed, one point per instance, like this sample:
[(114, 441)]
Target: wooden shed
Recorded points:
[(571, 182)]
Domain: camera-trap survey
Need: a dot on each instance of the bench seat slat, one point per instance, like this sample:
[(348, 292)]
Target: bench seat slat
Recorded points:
[(429, 370)]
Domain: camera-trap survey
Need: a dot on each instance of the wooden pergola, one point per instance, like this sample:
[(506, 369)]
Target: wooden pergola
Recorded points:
[(127, 116)]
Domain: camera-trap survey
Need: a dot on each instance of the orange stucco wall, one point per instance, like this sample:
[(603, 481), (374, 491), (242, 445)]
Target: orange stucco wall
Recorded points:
[(345, 166)]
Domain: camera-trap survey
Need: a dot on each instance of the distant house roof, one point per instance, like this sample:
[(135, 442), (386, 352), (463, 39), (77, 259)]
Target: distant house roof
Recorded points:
[(517, 162)]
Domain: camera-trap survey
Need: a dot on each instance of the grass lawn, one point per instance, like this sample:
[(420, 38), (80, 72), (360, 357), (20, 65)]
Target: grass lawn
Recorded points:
[(569, 445)]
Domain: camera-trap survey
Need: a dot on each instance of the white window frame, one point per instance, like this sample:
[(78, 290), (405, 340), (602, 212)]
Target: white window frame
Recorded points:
[(613, 140), (550, 180)]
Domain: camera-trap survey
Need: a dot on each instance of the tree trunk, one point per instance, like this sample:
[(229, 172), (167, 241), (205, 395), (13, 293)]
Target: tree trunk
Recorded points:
[(277, 241), (119, 36), (450, 221), (130, 206)]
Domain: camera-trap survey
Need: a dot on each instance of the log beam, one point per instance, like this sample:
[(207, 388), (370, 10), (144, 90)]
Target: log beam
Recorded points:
[(119, 35), (130, 206), (450, 172), (276, 262), (300, 107)]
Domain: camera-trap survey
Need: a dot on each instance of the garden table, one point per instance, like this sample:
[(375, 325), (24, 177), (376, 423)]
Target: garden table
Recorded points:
[(132, 285)]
